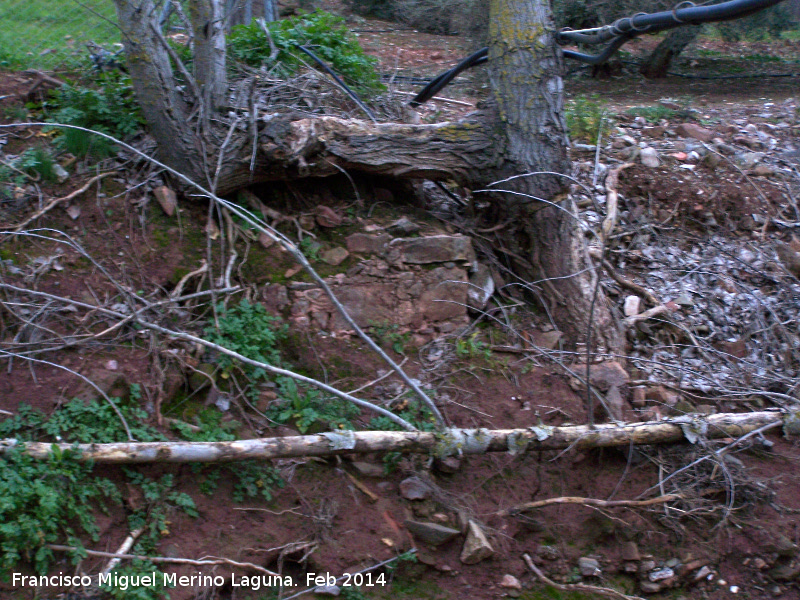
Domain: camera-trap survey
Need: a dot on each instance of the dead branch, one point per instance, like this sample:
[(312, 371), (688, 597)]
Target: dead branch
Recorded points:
[(612, 200), (56, 201), (445, 443), (212, 560), (648, 314), (588, 502), (576, 587), (625, 283)]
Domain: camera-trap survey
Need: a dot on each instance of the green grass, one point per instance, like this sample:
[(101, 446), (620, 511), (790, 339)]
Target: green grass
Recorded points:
[(52, 33)]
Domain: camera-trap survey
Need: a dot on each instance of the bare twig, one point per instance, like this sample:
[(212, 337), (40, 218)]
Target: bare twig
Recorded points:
[(588, 502), (576, 587), (56, 201), (211, 560)]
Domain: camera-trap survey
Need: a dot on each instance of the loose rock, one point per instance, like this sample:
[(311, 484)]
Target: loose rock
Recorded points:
[(476, 546)]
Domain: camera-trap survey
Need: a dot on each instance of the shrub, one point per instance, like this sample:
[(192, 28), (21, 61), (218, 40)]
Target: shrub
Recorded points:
[(323, 33), (109, 108)]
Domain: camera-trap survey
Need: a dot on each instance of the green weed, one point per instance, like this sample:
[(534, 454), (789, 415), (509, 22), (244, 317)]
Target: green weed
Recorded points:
[(251, 478), (586, 117), (109, 108), (249, 330), (389, 336), (472, 347), (45, 502), (308, 407), (325, 34), (83, 422), (652, 114)]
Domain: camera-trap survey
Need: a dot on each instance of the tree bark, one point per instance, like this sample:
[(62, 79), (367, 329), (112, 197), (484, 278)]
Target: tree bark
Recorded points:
[(155, 88), (449, 442), (208, 25), (525, 67), (657, 64)]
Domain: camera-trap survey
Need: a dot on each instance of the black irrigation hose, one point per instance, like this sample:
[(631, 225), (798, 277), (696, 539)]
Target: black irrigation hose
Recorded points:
[(618, 33), (339, 81), (438, 83)]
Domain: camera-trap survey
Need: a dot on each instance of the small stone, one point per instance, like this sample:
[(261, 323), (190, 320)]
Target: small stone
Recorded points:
[(548, 552), (403, 226), (656, 132), (510, 582), (608, 374), (694, 131), (649, 157), (481, 287), (646, 566), (431, 533), (327, 217), (630, 551), (630, 567), (361, 243), (328, 590), (734, 589), (334, 256), (661, 574), (649, 587), (450, 464), (62, 175), (633, 306), (703, 573), (760, 564), (763, 171), (589, 567), (166, 199), (787, 572), (476, 546), (413, 488), (366, 469)]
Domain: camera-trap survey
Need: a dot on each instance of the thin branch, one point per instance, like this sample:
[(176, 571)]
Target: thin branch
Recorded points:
[(576, 587), (588, 502), (211, 560)]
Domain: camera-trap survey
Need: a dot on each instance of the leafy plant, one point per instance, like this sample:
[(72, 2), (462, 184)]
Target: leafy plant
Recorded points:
[(413, 411), (249, 330), (472, 347), (251, 478), (652, 114), (84, 422), (323, 33), (110, 108), (310, 248), (585, 118), (130, 571), (388, 334), (40, 500), (305, 407)]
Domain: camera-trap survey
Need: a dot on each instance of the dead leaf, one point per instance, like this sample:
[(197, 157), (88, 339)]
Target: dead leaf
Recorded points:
[(211, 229), (167, 199), (265, 240)]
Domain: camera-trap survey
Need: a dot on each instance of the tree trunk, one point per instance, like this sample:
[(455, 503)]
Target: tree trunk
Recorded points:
[(657, 64), (523, 131), (156, 90), (525, 67), (208, 26), (447, 443)]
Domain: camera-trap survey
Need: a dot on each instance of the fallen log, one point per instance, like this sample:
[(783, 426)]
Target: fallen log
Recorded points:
[(444, 443)]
